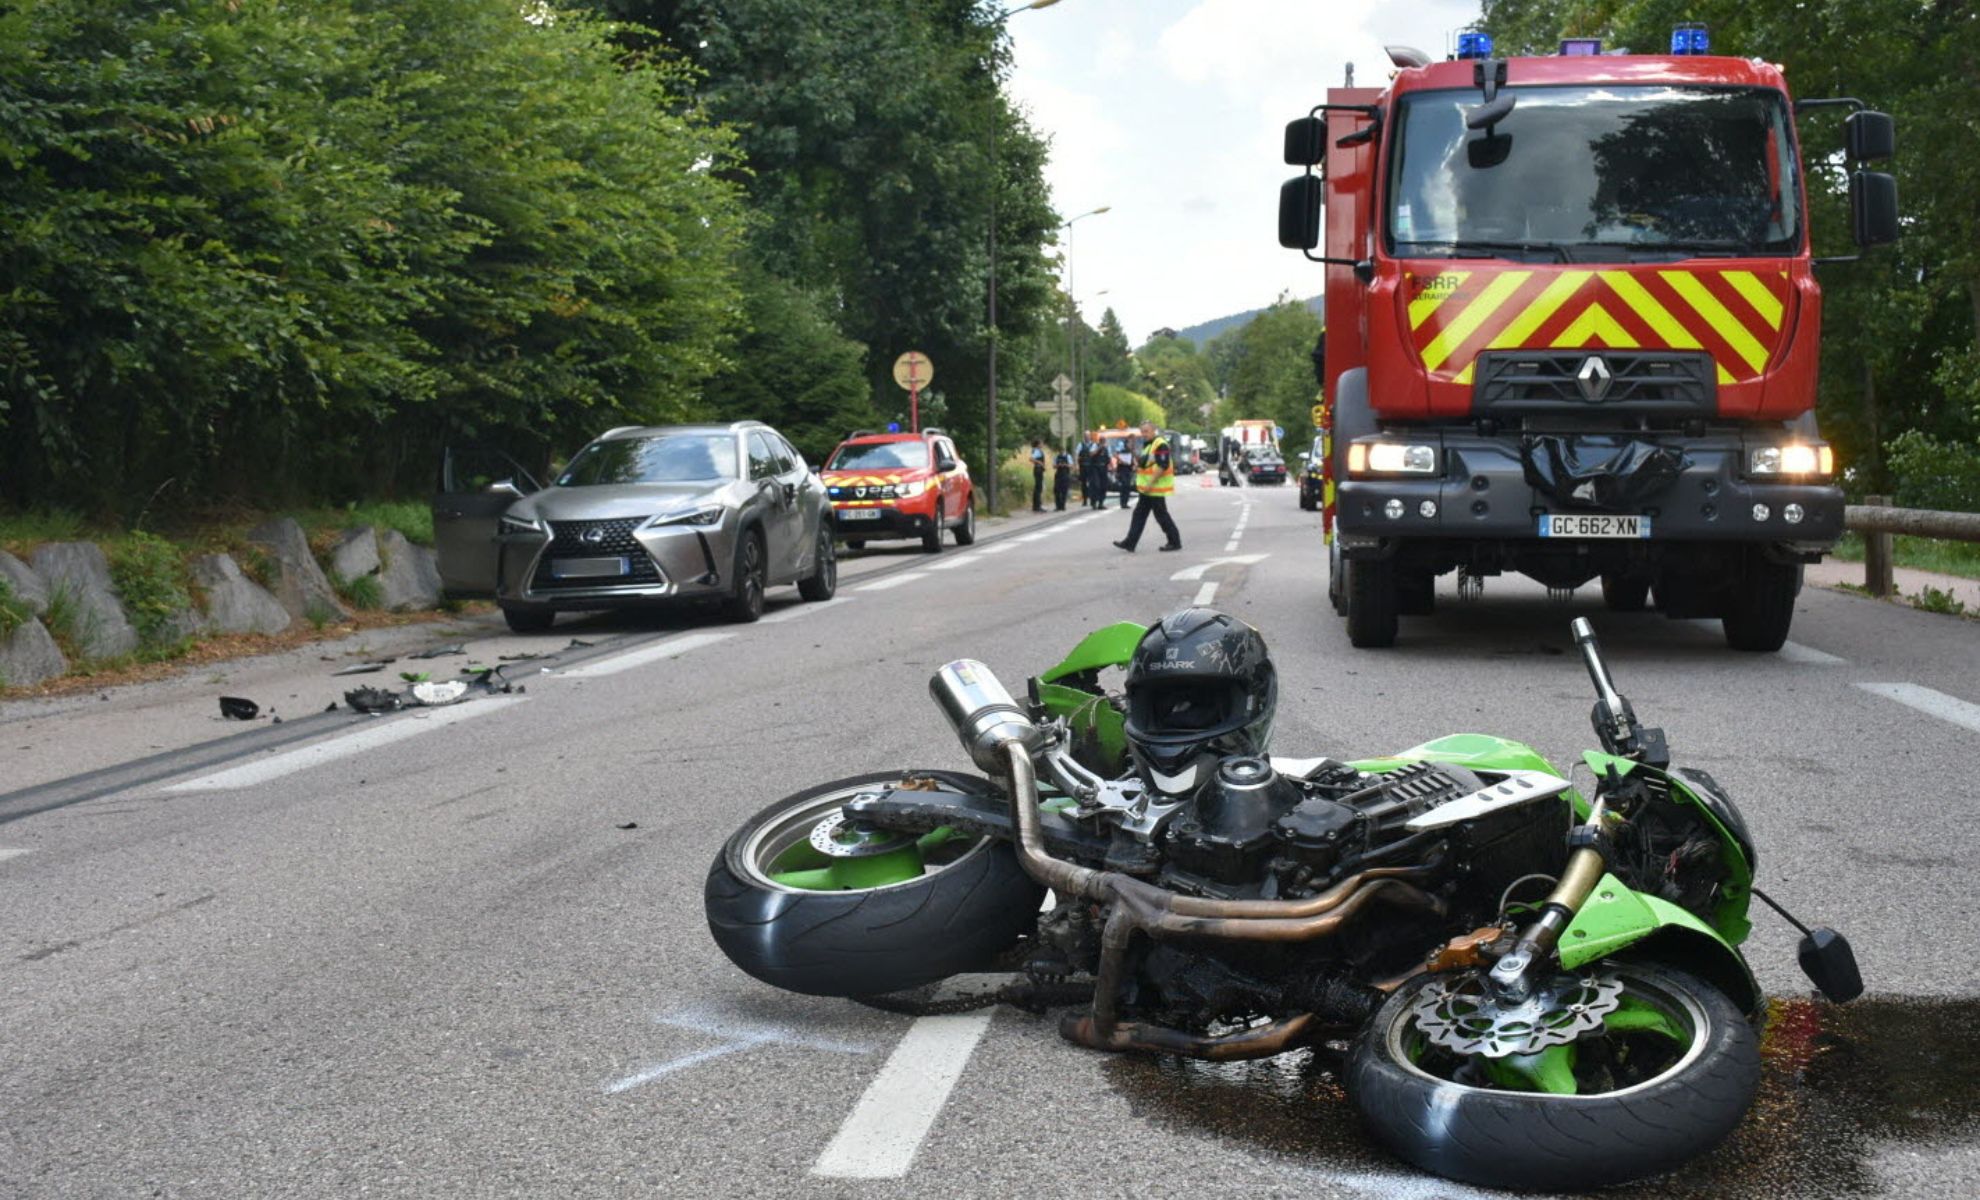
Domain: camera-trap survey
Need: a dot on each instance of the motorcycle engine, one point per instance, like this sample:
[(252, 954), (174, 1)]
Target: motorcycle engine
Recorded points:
[(1253, 832)]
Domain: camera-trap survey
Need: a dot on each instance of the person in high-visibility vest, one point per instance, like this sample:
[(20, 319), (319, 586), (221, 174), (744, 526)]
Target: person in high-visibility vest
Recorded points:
[(1155, 479)]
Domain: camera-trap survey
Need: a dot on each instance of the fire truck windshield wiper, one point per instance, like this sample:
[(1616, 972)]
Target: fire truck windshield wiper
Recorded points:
[(1471, 248), (1676, 249)]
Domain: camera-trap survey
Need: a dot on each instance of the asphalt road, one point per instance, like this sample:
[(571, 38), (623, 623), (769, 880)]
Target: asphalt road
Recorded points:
[(423, 955)]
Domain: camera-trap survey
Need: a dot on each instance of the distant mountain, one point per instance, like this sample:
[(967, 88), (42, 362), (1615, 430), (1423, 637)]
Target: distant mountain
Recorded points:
[(1204, 332)]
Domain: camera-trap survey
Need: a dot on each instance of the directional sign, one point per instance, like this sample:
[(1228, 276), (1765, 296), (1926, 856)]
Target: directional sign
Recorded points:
[(913, 371), (1061, 386)]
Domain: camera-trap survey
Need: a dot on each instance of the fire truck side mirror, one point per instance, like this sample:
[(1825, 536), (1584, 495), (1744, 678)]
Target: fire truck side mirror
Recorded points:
[(1873, 208), (1867, 136), (1306, 142), (1299, 212)]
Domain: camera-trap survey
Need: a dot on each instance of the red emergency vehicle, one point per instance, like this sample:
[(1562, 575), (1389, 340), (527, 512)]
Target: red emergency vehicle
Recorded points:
[(1573, 324)]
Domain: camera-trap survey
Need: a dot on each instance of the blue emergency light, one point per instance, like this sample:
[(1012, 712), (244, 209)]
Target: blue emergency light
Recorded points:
[(893, 427), (1581, 47), (1474, 45), (1690, 38)]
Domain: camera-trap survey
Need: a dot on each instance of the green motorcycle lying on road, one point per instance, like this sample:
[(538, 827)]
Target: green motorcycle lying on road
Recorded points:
[(1540, 989)]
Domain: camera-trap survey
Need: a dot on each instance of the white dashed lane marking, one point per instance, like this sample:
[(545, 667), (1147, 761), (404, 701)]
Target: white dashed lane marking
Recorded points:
[(1192, 574), (1950, 709), (7, 852), (1205, 594), (802, 608), (1808, 656), (879, 1139), (881, 585)]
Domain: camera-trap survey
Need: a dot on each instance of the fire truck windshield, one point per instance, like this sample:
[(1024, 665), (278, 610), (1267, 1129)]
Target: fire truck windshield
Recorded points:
[(1595, 174)]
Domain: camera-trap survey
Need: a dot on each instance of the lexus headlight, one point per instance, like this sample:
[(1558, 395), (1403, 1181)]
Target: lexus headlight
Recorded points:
[(517, 525), (907, 491), (1391, 458), (1792, 459), (707, 514)]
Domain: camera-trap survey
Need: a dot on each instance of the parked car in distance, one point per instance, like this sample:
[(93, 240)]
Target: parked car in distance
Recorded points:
[(1266, 467), (642, 516), (1312, 476), (889, 486)]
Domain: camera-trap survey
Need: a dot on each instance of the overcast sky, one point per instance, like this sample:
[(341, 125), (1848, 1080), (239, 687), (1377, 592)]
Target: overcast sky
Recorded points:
[(1172, 111)]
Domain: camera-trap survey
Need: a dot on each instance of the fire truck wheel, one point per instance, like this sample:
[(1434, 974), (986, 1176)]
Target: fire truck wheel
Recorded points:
[(1336, 582), (1371, 603), (1761, 606)]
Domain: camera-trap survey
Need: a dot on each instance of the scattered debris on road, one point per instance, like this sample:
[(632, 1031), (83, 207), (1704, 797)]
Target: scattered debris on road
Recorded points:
[(364, 668), (447, 651), (235, 708), (373, 700)]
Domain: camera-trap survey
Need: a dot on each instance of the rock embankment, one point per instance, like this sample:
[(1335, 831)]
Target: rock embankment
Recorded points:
[(65, 594)]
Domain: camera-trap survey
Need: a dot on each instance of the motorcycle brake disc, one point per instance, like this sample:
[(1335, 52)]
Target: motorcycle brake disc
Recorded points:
[(1460, 1014), (835, 838)]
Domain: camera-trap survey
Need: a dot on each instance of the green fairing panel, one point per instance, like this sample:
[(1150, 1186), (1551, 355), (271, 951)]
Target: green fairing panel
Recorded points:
[(1478, 751), (1112, 646), (1730, 916), (1099, 741), (1616, 918)]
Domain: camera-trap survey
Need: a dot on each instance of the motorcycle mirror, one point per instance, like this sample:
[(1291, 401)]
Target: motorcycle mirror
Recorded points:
[(1830, 964)]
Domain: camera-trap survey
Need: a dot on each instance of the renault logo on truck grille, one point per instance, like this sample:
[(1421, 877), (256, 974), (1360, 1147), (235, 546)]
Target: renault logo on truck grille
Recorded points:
[(1593, 379)]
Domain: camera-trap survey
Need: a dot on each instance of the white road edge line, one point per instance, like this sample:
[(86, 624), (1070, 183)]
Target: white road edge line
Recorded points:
[(1795, 652), (1938, 704), (7, 852), (671, 648), (801, 608), (885, 1129), (881, 585), (368, 737), (1205, 594), (950, 564)]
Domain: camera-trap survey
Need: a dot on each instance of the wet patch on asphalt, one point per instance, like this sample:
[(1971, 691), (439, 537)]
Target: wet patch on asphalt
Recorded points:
[(1838, 1085)]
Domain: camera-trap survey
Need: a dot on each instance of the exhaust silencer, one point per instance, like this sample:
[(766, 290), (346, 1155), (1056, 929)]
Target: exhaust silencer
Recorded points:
[(983, 713)]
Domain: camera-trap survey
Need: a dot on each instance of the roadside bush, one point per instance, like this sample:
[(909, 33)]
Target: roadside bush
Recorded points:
[(13, 610), (363, 593), (411, 518), (150, 579), (1934, 474)]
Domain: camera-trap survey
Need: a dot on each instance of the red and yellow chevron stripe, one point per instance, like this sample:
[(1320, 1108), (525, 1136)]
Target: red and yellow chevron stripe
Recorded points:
[(844, 479), (1734, 314)]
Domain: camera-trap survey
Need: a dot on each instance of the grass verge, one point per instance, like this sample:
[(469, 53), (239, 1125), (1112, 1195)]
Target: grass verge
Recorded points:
[(1922, 554)]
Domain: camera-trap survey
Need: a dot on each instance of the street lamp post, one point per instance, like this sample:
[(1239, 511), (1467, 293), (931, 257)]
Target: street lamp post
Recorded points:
[(1072, 311), (990, 388)]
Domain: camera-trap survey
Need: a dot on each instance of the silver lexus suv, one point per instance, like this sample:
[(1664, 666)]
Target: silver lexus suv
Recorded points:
[(641, 516)]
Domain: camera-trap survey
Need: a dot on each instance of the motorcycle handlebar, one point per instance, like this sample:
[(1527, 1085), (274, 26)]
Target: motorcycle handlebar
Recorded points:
[(1591, 657)]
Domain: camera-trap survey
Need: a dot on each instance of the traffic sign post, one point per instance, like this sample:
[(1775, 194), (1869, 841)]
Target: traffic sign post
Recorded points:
[(1064, 413), (913, 371)]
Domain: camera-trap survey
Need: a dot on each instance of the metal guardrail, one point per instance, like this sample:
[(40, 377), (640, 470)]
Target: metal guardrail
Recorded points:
[(1879, 523)]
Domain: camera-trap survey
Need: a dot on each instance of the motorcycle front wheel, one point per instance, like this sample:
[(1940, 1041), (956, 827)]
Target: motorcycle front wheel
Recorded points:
[(803, 901), (1667, 1075)]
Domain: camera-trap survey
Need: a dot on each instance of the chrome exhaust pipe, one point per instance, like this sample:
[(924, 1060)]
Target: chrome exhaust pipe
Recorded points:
[(983, 714)]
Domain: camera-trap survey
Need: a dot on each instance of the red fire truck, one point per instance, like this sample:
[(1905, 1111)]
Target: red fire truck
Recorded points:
[(1573, 328)]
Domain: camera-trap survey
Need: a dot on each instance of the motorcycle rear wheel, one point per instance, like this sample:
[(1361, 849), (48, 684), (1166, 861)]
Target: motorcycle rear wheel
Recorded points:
[(899, 920), (1501, 1137)]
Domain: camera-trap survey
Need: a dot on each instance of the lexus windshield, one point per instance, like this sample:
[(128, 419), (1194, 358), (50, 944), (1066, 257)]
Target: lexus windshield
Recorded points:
[(1595, 174), (669, 458)]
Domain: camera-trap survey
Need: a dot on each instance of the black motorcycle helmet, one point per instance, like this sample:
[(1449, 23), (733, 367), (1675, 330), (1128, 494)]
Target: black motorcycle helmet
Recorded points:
[(1201, 683)]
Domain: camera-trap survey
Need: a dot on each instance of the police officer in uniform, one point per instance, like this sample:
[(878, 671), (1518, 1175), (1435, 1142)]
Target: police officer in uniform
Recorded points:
[(1062, 468), (1156, 480)]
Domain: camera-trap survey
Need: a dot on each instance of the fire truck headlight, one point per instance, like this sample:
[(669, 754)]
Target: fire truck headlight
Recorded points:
[(1395, 458), (1792, 459)]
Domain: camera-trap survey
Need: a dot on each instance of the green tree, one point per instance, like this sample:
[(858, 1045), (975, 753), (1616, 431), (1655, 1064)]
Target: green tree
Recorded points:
[(272, 252), (1109, 405), (793, 367), (1272, 375), (1107, 357)]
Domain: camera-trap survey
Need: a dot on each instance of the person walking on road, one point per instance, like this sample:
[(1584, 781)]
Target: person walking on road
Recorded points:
[(1062, 467), (1124, 472), (1156, 480), (1037, 474)]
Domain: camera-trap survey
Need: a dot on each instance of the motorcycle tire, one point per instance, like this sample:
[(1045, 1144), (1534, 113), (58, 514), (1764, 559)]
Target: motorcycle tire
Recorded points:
[(1534, 1141), (956, 917)]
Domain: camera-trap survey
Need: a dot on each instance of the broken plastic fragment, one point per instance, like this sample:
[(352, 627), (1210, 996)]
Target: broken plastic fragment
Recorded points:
[(434, 694), (441, 651), (373, 700), (234, 708), (363, 668)]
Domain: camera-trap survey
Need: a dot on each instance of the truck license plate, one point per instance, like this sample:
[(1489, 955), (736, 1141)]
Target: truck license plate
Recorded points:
[(1593, 525), (859, 514)]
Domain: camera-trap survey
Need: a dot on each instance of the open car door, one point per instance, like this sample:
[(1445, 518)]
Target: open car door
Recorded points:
[(477, 486)]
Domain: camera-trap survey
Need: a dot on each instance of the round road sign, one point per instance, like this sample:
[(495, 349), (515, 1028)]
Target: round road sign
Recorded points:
[(913, 371)]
